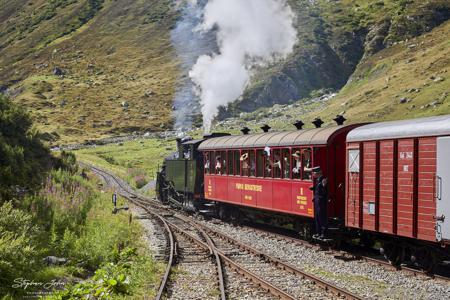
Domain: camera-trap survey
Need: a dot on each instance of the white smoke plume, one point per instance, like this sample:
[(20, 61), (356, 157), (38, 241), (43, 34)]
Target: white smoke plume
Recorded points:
[(189, 44), (249, 33)]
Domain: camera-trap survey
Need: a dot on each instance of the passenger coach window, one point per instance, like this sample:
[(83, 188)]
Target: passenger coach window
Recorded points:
[(230, 163), (237, 163), (223, 157), (245, 163), (259, 163), (252, 163), (207, 163), (218, 163), (296, 164), (286, 160), (307, 164), (268, 164), (277, 163)]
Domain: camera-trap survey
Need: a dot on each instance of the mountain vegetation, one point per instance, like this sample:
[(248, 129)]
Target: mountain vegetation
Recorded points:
[(58, 237), (87, 69)]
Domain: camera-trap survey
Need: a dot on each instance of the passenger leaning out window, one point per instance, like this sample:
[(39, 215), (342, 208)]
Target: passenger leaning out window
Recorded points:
[(207, 164), (218, 166), (245, 165), (307, 166), (296, 170)]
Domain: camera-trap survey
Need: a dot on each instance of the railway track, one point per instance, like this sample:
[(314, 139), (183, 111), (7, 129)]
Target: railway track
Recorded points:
[(269, 274), (352, 256)]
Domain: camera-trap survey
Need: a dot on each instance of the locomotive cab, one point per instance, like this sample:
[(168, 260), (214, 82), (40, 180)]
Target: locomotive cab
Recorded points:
[(180, 180)]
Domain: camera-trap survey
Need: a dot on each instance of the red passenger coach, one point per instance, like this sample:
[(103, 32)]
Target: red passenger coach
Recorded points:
[(398, 178), (271, 170)]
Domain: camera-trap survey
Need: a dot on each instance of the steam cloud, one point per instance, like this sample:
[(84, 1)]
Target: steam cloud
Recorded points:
[(190, 44), (248, 33)]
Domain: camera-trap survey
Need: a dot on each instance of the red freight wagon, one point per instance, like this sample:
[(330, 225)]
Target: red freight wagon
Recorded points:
[(398, 178), (270, 170)]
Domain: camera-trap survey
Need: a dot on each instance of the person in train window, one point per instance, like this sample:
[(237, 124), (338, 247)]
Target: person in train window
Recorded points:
[(187, 154), (268, 167), (297, 164), (306, 162), (267, 162), (253, 167), (245, 166), (207, 165), (277, 165), (218, 166), (320, 199), (286, 167)]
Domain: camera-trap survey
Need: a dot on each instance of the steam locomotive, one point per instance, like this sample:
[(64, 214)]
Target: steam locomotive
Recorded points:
[(389, 182)]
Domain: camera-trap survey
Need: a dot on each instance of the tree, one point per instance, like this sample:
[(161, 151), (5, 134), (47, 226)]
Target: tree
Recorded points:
[(24, 160)]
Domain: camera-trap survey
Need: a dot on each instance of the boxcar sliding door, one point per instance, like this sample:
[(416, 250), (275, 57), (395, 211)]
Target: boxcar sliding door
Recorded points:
[(443, 189)]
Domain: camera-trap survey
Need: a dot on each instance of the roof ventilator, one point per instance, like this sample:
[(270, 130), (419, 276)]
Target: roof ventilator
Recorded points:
[(265, 128), (340, 120), (317, 122), (245, 130), (299, 125)]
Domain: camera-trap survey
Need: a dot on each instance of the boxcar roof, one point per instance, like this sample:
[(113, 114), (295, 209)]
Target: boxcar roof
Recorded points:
[(433, 126), (314, 136)]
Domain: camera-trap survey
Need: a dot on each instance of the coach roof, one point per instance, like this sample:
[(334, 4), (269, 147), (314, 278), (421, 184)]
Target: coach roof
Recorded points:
[(313, 136), (434, 126)]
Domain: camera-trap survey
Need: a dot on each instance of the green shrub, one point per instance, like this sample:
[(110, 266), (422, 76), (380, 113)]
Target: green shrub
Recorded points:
[(120, 277), (18, 254), (109, 159), (24, 160), (67, 161)]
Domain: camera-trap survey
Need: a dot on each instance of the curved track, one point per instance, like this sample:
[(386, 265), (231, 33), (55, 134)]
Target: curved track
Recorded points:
[(355, 256), (263, 270)]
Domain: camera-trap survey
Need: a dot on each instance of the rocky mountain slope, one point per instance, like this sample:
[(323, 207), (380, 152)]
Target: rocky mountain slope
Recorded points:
[(408, 80), (334, 37), (87, 69)]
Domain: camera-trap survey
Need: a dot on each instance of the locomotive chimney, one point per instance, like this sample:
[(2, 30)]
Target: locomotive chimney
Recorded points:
[(299, 125), (245, 130), (265, 128), (317, 122), (179, 148), (340, 120)]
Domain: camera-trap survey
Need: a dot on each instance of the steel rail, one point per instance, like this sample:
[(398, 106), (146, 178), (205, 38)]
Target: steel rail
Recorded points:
[(237, 267), (327, 286), (172, 248), (384, 263), (208, 246), (165, 279), (213, 248), (284, 266)]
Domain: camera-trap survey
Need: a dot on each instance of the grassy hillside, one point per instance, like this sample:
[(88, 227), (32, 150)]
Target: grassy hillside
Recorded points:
[(408, 80), (134, 161), (89, 68)]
